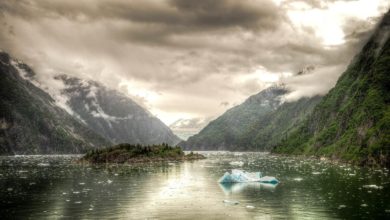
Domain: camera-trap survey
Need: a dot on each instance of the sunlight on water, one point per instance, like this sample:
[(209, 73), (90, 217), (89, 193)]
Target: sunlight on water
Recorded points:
[(56, 187)]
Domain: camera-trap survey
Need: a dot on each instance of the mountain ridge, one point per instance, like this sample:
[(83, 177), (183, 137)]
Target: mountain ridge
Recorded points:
[(71, 115), (112, 114), (352, 122), (224, 132), (31, 123)]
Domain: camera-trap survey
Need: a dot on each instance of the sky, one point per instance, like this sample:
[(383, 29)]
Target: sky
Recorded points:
[(191, 59)]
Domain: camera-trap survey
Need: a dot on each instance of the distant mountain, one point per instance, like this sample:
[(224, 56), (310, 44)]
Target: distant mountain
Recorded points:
[(227, 131), (185, 128), (112, 114), (352, 122), (30, 120)]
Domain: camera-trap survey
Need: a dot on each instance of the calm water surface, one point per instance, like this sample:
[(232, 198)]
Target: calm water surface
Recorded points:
[(52, 187)]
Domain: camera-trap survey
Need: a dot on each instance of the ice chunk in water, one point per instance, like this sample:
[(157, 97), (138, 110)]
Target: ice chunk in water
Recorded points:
[(237, 163), (298, 179), (240, 176), (372, 186), (342, 206), (43, 164), (231, 202), (269, 179)]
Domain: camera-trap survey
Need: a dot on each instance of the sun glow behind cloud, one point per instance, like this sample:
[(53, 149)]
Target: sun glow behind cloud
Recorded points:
[(327, 22)]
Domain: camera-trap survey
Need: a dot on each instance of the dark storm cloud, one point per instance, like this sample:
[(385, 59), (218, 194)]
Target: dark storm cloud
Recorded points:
[(155, 23), (191, 15), (227, 13), (205, 50), (177, 23)]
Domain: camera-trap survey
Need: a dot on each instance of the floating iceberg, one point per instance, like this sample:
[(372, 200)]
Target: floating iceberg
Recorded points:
[(240, 176)]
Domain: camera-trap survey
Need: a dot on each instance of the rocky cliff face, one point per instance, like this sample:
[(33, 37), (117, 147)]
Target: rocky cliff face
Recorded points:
[(30, 120)]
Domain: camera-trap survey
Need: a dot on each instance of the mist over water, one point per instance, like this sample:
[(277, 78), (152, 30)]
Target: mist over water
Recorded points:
[(55, 187)]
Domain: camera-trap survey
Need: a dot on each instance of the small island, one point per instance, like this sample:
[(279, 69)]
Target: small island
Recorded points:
[(128, 153)]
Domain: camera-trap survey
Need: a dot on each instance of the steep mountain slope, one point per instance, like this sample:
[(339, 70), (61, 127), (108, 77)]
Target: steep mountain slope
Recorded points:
[(31, 123), (269, 130), (226, 132), (112, 114), (352, 122)]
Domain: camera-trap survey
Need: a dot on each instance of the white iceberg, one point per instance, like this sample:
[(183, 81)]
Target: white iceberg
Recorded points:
[(372, 186), (231, 202), (237, 163), (240, 176)]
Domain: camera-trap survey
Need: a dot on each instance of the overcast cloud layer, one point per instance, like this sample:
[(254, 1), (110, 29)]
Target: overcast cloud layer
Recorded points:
[(194, 58)]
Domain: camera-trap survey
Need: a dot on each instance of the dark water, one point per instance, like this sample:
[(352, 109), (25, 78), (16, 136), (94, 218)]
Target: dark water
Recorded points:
[(52, 187)]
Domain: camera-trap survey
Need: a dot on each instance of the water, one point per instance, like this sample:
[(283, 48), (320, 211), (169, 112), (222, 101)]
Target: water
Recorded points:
[(52, 187)]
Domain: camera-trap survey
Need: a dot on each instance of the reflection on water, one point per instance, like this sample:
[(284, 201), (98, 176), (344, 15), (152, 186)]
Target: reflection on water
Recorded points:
[(54, 187)]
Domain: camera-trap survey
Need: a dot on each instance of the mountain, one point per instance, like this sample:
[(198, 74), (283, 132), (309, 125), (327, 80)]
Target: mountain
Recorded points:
[(112, 114), (352, 122), (267, 131), (186, 128), (30, 120), (226, 132)]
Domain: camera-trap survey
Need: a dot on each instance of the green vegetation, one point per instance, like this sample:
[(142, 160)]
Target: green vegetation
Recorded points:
[(256, 125), (229, 131), (352, 122), (275, 126), (128, 153)]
